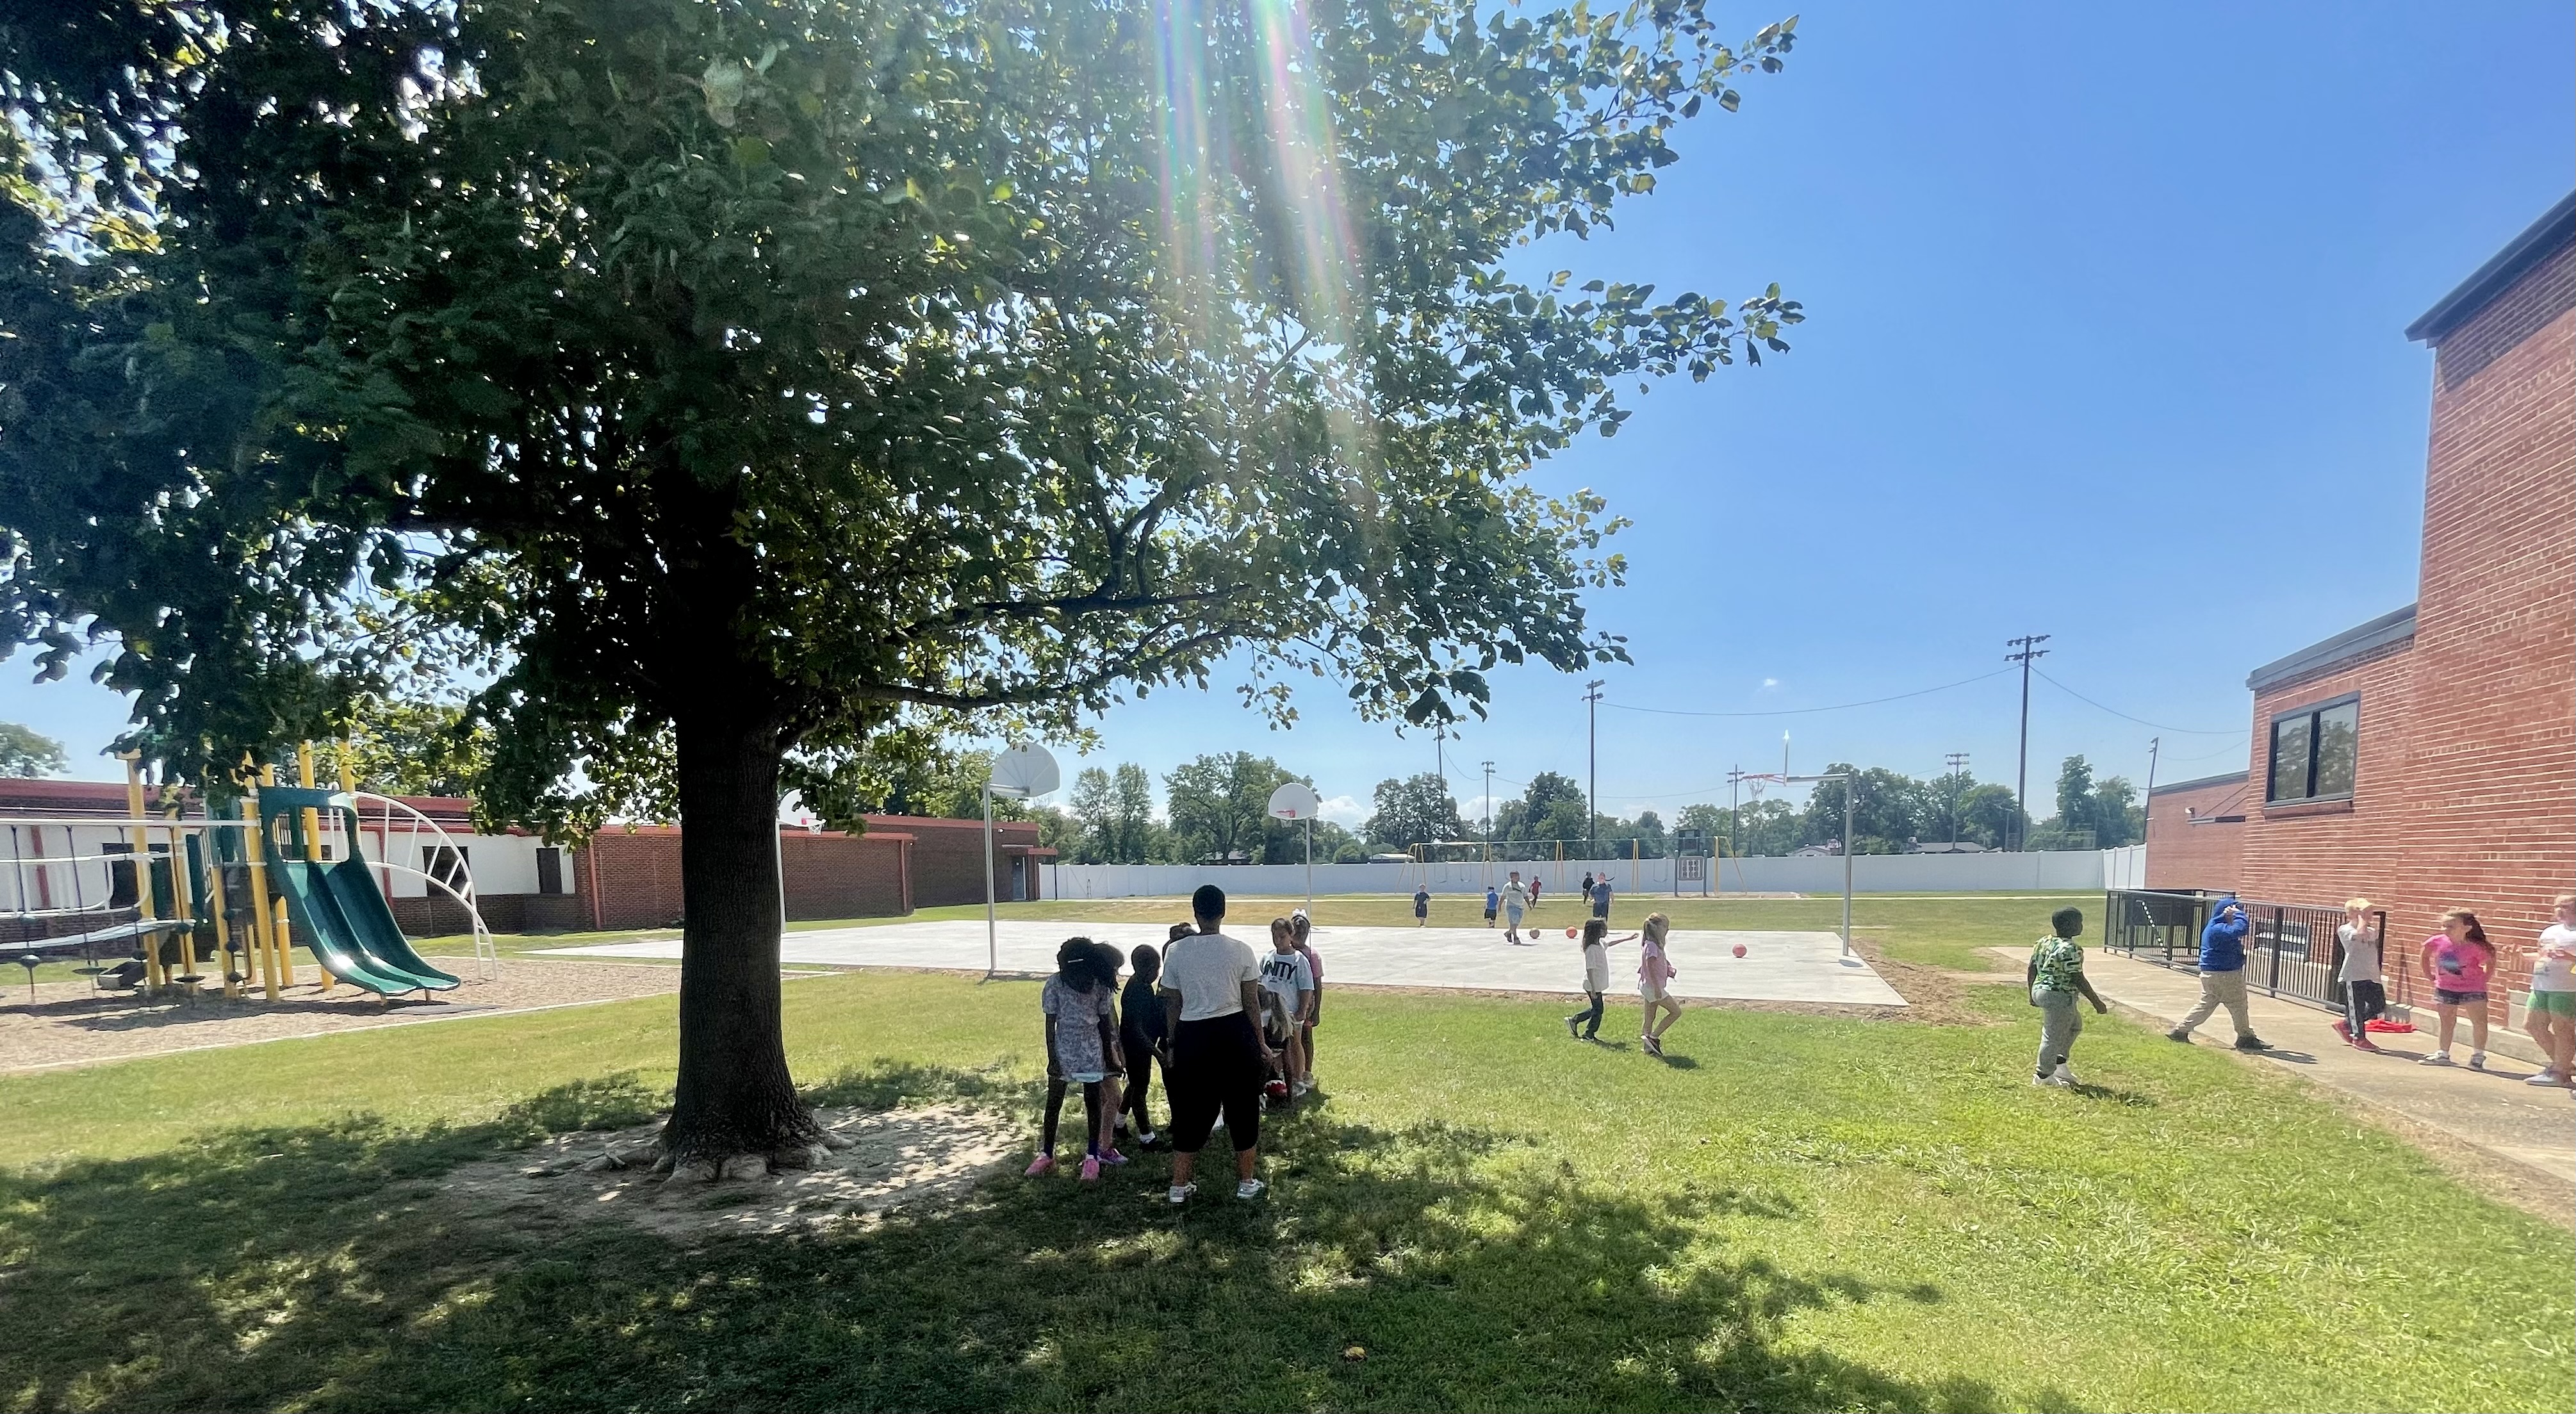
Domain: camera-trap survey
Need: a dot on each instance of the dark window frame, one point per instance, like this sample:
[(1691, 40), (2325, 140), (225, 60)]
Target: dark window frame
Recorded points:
[(2311, 715)]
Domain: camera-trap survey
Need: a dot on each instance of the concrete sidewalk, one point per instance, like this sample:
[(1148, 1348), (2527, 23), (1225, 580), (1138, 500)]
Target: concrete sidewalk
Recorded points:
[(2493, 1110)]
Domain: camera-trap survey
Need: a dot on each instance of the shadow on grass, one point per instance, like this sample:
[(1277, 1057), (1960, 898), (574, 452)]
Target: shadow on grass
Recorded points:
[(321, 1266)]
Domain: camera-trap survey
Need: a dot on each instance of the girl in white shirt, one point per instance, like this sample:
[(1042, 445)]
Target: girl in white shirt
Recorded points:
[(2365, 991), (2551, 1016)]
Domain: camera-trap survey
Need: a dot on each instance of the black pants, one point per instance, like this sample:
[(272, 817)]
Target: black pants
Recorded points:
[(1140, 1078), (2361, 1002), (1055, 1109), (1216, 1067), (1591, 1018)]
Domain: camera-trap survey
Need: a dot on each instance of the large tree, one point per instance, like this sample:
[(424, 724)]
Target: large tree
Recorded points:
[(1415, 810), (1219, 805), (751, 391)]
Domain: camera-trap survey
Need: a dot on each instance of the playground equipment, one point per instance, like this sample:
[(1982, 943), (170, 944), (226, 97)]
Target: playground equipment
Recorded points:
[(286, 865)]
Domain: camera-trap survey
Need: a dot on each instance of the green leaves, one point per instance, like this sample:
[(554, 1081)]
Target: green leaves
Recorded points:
[(869, 368)]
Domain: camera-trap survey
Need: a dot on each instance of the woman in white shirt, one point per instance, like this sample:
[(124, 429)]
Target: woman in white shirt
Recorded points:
[(1217, 1060)]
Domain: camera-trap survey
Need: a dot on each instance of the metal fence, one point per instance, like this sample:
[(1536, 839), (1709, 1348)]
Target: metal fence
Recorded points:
[(2290, 951)]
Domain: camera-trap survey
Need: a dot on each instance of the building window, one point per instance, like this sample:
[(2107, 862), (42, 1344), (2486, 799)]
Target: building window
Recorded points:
[(2316, 751), (447, 865)]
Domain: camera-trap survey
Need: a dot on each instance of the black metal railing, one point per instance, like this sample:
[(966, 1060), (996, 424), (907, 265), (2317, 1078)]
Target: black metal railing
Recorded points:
[(2290, 950)]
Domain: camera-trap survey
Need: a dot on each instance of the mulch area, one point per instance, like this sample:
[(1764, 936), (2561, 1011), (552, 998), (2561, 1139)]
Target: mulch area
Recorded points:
[(70, 1023)]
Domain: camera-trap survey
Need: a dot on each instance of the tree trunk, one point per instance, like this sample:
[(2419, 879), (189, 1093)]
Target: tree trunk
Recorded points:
[(735, 1095)]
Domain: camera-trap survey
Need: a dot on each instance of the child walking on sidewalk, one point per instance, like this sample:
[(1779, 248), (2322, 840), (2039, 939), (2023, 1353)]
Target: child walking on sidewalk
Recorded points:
[(1586, 1025), (1655, 976)]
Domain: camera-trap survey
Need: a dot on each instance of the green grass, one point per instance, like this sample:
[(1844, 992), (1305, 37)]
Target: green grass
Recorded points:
[(1795, 1213)]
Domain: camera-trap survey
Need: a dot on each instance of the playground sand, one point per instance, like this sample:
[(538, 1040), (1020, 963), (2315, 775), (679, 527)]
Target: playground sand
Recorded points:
[(70, 1024), (894, 1159)]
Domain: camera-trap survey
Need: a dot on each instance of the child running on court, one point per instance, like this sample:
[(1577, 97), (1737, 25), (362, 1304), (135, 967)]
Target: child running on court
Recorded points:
[(1586, 1025), (1654, 981), (1082, 1047), (1421, 904), (1493, 904), (2457, 961), (2056, 977)]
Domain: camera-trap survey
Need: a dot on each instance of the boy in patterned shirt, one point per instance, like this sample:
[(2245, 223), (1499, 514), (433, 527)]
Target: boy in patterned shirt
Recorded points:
[(2056, 977)]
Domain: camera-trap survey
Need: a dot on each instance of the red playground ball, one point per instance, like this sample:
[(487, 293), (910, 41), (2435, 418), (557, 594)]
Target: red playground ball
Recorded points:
[(1570, 932), (1739, 949)]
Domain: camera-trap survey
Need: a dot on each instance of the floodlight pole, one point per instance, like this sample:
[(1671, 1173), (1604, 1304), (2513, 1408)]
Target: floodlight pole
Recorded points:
[(1592, 753)]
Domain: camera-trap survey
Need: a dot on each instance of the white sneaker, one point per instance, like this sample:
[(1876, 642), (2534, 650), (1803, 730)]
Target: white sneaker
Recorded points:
[(2043, 1080), (1299, 1087), (2066, 1076), (1146, 1139), (2477, 1060), (1250, 1188), (2437, 1058), (2546, 1077), (1180, 1193)]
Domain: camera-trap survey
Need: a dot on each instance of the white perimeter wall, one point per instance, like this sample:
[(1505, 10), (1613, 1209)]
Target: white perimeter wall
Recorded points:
[(2048, 871)]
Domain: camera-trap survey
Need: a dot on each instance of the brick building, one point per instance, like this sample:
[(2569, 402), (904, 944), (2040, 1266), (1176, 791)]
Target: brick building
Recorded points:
[(625, 877), (2196, 833), (2427, 758)]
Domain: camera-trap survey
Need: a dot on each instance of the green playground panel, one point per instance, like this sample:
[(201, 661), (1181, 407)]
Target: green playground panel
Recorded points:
[(344, 916)]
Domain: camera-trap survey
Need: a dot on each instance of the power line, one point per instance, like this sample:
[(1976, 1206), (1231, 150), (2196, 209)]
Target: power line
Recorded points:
[(2141, 721), (1802, 711)]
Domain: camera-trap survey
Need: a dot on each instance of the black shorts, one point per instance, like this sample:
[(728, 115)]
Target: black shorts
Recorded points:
[(1216, 1068)]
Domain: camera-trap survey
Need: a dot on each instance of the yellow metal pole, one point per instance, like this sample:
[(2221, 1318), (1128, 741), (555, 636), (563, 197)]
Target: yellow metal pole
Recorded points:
[(182, 909), (312, 819), (280, 937), (141, 844), (251, 857)]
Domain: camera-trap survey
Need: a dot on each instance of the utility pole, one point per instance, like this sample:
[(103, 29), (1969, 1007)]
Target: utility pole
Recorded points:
[(1489, 820), (2030, 649), (1735, 811), (1592, 751), (1957, 761), (2147, 802)]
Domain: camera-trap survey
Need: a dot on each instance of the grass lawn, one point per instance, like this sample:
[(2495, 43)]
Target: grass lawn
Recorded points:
[(1796, 1213)]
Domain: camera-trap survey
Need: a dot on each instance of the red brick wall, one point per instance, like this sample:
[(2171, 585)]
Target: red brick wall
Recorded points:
[(2493, 825), (948, 858), (844, 876), (637, 874), (2467, 795), (2328, 851), (2183, 855)]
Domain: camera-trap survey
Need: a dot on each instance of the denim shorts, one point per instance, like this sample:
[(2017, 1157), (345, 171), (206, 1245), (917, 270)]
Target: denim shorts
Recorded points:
[(2447, 997)]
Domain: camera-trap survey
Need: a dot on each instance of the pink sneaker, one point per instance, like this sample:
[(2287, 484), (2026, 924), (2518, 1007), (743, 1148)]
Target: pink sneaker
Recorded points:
[(1041, 1165), (1091, 1168)]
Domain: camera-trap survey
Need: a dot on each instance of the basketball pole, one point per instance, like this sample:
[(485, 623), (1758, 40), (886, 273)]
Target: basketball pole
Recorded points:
[(1851, 792)]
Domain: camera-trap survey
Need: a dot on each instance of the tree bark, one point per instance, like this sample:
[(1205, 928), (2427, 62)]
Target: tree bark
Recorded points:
[(735, 1095)]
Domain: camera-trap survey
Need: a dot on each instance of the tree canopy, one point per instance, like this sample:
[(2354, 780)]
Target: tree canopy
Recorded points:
[(748, 392), (25, 751)]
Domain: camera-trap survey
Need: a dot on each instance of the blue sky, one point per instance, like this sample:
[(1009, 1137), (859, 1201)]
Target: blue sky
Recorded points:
[(2103, 342)]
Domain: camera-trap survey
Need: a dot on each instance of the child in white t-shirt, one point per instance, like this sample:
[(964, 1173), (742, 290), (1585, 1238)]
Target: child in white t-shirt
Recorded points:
[(1288, 979), (2365, 991), (2551, 1016), (1586, 1025)]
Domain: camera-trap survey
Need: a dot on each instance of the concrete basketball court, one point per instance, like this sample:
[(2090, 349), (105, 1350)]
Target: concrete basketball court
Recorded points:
[(1776, 967)]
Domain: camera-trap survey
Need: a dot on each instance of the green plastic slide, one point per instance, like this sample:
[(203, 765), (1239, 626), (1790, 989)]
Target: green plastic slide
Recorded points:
[(336, 904)]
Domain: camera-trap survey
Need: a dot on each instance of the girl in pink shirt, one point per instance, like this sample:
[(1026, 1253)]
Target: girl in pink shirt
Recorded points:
[(2456, 961), (1654, 979)]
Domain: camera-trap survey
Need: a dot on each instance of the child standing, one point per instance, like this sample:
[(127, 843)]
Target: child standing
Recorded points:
[(1516, 899), (2056, 977), (1305, 928), (2552, 1013), (1586, 1025), (1493, 904), (1141, 1032), (1286, 976), (2457, 962), (1654, 979), (1421, 904), (2365, 992), (1082, 1045)]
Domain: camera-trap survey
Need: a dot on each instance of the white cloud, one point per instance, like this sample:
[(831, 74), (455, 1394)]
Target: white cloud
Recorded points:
[(1770, 682), (1344, 810)]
